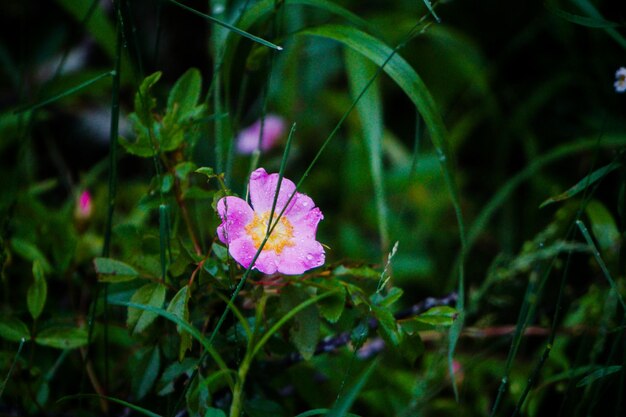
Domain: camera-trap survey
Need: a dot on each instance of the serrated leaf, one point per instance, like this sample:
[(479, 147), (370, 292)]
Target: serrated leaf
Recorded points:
[(62, 337), (179, 306), (111, 270), (37, 292), (438, 316), (13, 329), (144, 371), (597, 374), (153, 295)]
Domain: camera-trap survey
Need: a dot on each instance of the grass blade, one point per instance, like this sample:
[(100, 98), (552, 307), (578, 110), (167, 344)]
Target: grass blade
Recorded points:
[(17, 355), (370, 112), (65, 93), (134, 407), (345, 402), (583, 183), (228, 26), (603, 267)]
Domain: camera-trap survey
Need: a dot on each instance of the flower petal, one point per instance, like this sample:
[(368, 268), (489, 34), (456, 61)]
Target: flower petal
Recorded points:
[(267, 262), (306, 225), (242, 250), (235, 214), (305, 255), (263, 188)]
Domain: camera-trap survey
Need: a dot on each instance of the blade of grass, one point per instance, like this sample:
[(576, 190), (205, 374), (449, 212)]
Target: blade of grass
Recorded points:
[(600, 261), (591, 11), (583, 184), (134, 407), (241, 282), (195, 333), (546, 159), (284, 319), (413, 86), (342, 406), (228, 26), (15, 358), (591, 22), (369, 108), (66, 93)]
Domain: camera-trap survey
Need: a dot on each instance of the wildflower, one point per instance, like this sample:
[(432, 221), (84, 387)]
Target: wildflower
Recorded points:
[(620, 83), (291, 248), (273, 129), (84, 206)]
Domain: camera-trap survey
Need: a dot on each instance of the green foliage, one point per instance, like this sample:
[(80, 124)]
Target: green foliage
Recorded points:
[(410, 119)]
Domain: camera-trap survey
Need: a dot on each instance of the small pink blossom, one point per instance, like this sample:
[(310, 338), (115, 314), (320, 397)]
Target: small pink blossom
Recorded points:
[(291, 248), (84, 205), (620, 82), (273, 129)]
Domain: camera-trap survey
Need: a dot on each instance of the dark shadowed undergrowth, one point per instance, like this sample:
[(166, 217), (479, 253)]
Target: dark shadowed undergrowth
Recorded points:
[(312, 207)]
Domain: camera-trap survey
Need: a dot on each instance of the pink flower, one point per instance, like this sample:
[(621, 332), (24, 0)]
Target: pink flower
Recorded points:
[(620, 82), (248, 139), (84, 206), (291, 248)]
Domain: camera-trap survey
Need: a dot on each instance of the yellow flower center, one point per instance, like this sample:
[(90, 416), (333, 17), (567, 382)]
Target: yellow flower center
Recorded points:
[(281, 236)]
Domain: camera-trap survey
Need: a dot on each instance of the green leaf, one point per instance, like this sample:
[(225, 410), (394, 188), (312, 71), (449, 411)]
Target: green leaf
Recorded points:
[(332, 307), (583, 184), (411, 347), (153, 295), (179, 306), (37, 292), (13, 329), (173, 372), (144, 102), (184, 95), (597, 374), (305, 327), (111, 270), (144, 370), (603, 226), (30, 252), (386, 301), (387, 326), (62, 337), (214, 412), (361, 271), (439, 316), (142, 146), (209, 172)]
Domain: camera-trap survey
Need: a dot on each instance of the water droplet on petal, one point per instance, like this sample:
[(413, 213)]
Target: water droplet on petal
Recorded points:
[(309, 257)]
